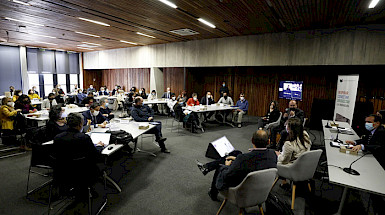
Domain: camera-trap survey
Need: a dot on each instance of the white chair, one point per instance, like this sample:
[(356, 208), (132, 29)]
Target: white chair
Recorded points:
[(301, 170), (252, 191)]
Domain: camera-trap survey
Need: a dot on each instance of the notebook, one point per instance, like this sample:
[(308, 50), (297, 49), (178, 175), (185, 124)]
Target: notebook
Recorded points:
[(104, 137)]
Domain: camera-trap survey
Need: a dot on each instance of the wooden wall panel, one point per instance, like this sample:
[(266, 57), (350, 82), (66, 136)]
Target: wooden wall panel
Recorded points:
[(93, 77), (127, 78), (173, 77), (260, 84)]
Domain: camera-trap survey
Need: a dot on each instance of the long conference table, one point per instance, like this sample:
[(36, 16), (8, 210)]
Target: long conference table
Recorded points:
[(131, 127), (372, 175)]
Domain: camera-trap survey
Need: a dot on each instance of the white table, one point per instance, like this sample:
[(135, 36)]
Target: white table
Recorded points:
[(209, 108), (154, 101), (372, 175), (36, 102), (44, 114)]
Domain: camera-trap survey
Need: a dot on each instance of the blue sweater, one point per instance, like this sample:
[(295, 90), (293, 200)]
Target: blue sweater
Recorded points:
[(243, 105)]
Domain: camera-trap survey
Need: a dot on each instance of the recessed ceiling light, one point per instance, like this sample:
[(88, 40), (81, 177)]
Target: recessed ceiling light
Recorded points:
[(206, 23), (16, 20), (373, 3), (93, 21), (123, 41), (146, 35), (39, 35), (169, 3), (54, 44), (95, 44), (84, 48), (91, 35), (21, 2)]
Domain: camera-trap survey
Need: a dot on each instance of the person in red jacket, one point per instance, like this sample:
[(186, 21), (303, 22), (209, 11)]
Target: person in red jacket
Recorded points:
[(193, 101)]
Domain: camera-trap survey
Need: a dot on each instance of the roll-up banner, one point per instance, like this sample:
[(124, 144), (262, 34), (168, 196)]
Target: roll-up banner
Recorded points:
[(345, 98)]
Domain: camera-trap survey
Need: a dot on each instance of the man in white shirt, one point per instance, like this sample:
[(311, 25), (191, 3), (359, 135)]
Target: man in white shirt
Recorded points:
[(171, 103), (226, 100)]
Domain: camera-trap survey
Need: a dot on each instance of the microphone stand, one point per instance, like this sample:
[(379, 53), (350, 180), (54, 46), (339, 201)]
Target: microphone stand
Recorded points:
[(338, 140), (352, 171), (327, 125)]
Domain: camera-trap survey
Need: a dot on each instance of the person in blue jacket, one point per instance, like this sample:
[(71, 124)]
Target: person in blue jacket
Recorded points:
[(243, 107)]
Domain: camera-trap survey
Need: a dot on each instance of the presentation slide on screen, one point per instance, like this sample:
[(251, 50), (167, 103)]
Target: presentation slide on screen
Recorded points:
[(290, 90)]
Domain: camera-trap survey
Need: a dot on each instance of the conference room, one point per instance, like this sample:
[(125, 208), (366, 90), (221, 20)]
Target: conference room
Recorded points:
[(192, 107)]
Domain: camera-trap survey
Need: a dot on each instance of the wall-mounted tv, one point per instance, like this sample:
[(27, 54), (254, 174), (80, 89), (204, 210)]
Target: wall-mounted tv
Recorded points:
[(290, 90)]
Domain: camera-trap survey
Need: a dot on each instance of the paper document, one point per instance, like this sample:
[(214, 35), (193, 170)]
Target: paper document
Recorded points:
[(335, 144), (103, 137), (223, 146)]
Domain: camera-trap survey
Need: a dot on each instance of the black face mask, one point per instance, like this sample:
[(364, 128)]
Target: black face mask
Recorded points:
[(292, 109), (50, 99), (225, 97)]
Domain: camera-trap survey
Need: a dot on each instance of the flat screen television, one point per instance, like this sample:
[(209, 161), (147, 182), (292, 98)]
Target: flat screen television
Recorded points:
[(290, 90)]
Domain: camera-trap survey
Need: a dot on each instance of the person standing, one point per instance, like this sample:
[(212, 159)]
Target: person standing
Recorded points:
[(223, 89), (243, 107)]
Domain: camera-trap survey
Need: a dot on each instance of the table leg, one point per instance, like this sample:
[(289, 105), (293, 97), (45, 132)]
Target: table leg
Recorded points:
[(112, 182), (343, 198), (137, 149)]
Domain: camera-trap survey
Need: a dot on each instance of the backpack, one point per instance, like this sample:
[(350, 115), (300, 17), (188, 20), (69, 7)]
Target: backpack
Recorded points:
[(275, 205), (120, 137)]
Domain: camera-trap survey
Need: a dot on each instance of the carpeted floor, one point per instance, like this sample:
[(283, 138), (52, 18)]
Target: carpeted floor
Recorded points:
[(168, 183)]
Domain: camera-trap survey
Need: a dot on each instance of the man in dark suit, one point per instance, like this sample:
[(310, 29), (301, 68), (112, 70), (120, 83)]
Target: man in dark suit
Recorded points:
[(167, 94), (375, 137), (143, 113), (207, 100), (236, 168), (291, 112), (73, 144), (94, 116)]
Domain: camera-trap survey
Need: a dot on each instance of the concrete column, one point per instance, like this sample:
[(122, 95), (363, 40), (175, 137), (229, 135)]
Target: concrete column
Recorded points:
[(156, 81), (23, 67)]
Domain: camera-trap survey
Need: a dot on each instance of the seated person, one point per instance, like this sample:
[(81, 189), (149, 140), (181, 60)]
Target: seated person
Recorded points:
[(238, 165), (105, 110), (88, 100), (7, 116), (24, 103), (297, 142), (142, 113), (381, 113), (142, 93), (120, 98), (94, 117), (207, 100), (65, 143), (56, 123), (375, 137), (133, 92), (33, 95), (103, 92), (35, 91), (167, 94), (48, 103), (292, 112), (243, 107), (178, 111), (59, 90), (115, 90), (91, 90), (171, 103), (183, 96), (153, 96), (81, 96), (12, 90), (272, 115), (193, 101), (226, 100), (16, 95), (60, 97)]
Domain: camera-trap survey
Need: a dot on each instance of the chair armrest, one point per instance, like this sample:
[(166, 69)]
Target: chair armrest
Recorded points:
[(284, 170)]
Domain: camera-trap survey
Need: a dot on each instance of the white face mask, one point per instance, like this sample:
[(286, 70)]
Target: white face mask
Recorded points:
[(102, 90), (10, 104), (91, 87), (173, 98), (153, 94), (168, 91), (106, 104), (242, 98), (195, 98), (95, 113), (140, 92), (20, 94), (208, 96)]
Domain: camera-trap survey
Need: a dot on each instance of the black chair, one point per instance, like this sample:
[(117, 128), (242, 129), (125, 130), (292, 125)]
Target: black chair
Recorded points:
[(74, 177), (40, 157)]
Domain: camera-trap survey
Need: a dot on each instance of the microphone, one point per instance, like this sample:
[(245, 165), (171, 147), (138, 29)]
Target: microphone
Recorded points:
[(352, 171), (336, 139)]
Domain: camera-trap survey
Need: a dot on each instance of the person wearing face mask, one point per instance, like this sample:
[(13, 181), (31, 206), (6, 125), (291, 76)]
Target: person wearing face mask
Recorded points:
[(142, 93), (94, 117), (296, 143), (59, 90), (49, 102), (292, 112), (17, 94), (243, 107), (56, 123), (223, 89), (133, 92), (103, 92), (183, 96), (375, 137), (60, 98), (171, 103), (207, 100), (12, 90), (7, 115), (226, 100), (88, 100), (33, 95), (91, 89), (153, 96), (143, 113), (24, 103), (34, 90), (193, 101), (120, 99), (115, 90), (81, 96), (105, 110), (272, 115)]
